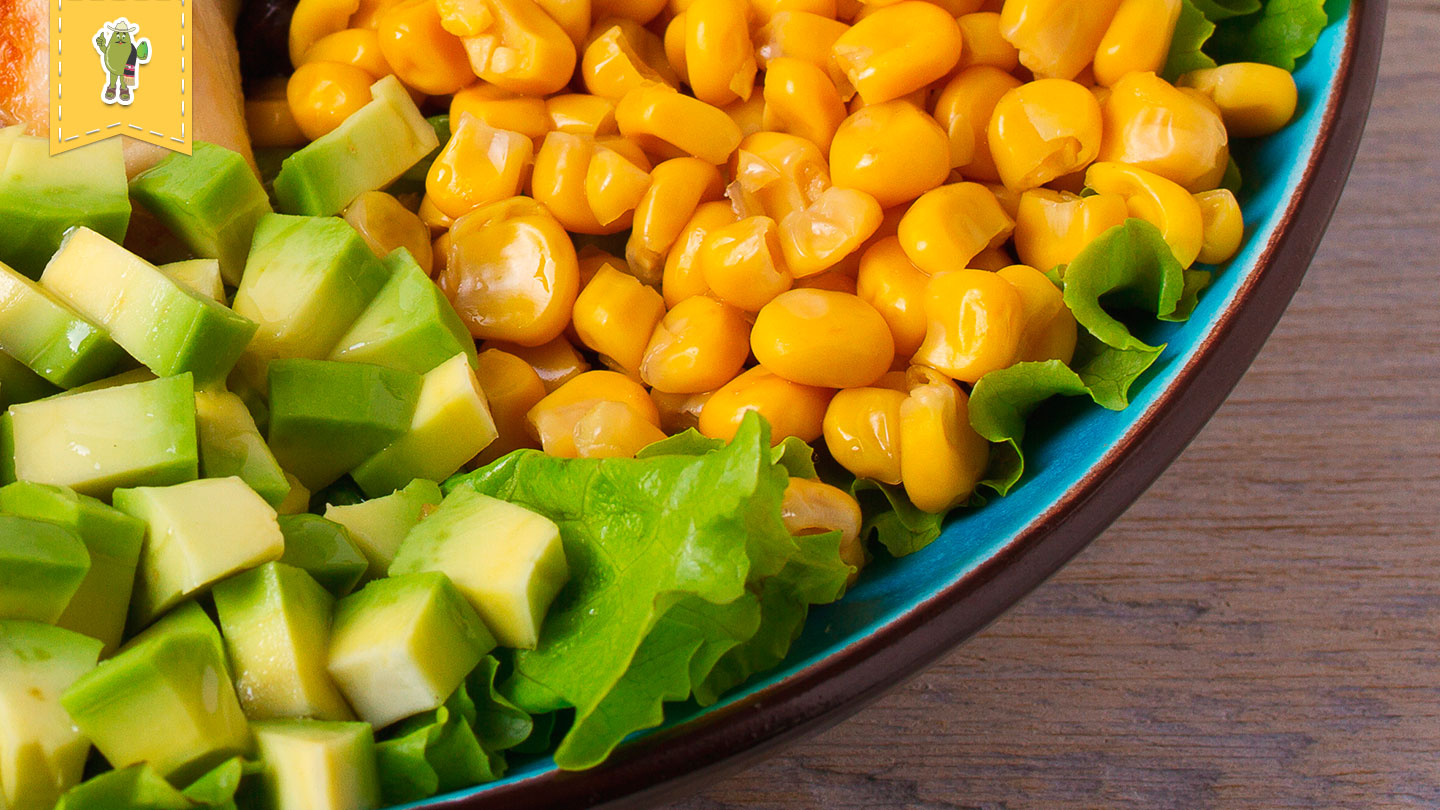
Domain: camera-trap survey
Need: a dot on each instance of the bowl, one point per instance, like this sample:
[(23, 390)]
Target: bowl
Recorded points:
[(1086, 466)]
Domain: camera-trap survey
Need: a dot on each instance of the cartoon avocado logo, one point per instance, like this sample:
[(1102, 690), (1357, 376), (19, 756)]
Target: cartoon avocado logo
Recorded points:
[(121, 54)]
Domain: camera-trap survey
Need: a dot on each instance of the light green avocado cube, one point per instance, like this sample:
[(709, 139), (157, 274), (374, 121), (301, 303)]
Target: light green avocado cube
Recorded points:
[(378, 526), (41, 567), (315, 765), (210, 199), (230, 444), (128, 435), (200, 275), (113, 539), (42, 754), (368, 151), (410, 325), (323, 549), (42, 196), (451, 425), (298, 501), (19, 384), (306, 280), (402, 644), (165, 699), (54, 340), (134, 375), (197, 534), (160, 322), (507, 560), (138, 787), (276, 623), (327, 417)]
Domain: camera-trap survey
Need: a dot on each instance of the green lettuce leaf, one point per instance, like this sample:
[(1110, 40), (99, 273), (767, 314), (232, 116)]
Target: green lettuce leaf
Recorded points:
[(1217, 10), (1192, 31), (436, 752), (499, 724), (1279, 34), (891, 519)]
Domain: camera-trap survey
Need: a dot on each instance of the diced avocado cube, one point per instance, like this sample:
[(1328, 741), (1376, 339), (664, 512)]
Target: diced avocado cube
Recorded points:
[(42, 196), (200, 275), (410, 325), (197, 534), (161, 323), (210, 199), (401, 645), (327, 417), (378, 526), (230, 444), (298, 501), (315, 765), (276, 623), (306, 280), (113, 539), (54, 340), (452, 424), (19, 384), (134, 375), (129, 435), (508, 561), (324, 549), (165, 699), (41, 752), (41, 568), (368, 151)]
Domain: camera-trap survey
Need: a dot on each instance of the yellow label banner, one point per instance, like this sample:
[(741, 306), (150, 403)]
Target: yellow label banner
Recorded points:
[(120, 67)]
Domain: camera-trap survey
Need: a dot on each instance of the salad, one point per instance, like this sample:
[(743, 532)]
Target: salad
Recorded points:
[(495, 372)]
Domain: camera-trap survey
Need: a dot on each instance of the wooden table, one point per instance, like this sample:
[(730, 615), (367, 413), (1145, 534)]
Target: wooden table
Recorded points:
[(1262, 629)]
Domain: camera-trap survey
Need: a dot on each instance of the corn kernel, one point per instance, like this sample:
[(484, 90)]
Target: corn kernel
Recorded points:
[(511, 388), (830, 229), (479, 165), (641, 11), (699, 345), (791, 409), (801, 100), (747, 113), (948, 226), (1138, 39), (1254, 99), (615, 315), (980, 31), (891, 151), (805, 36), (1156, 200), (822, 338), (862, 432), (314, 20), (975, 320), (963, 109), (321, 95), (1153, 126), (898, 49), (811, 508), (421, 52), (1052, 227), (522, 50), (743, 264), (555, 362), (941, 456), (614, 186), (573, 17), (684, 276), (1224, 227), (1043, 130), (656, 116), (501, 109), (1050, 330), (581, 114), (435, 219), (621, 56), (554, 419), (719, 56), (1056, 38), (677, 188), (764, 11), (561, 179), (359, 47), (895, 287), (613, 430), (385, 225)]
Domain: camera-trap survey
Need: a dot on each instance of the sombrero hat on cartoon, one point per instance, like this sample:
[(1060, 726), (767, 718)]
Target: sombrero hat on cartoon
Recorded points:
[(121, 24)]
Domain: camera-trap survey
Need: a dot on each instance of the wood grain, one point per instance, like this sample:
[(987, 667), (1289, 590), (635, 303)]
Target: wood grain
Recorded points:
[(1262, 628)]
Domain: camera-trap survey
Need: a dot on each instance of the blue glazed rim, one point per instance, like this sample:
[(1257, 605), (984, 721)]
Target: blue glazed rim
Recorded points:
[(1087, 465)]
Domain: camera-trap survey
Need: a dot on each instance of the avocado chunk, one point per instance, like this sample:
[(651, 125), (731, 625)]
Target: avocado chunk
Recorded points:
[(410, 325), (401, 645), (378, 526), (276, 623), (138, 787), (368, 151), (197, 534), (327, 417), (323, 549), (210, 199), (163, 324), (200, 275), (451, 425), (57, 342), (298, 501), (43, 196), (41, 568), (165, 699), (306, 280), (41, 752), (113, 540), (130, 435), (508, 561), (230, 444), (315, 765), (19, 384)]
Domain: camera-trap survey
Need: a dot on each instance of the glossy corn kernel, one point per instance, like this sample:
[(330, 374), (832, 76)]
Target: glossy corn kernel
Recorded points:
[(811, 508), (719, 56), (621, 56), (895, 287), (561, 181), (1159, 201), (836, 280), (747, 113), (891, 151), (641, 11), (313, 20), (1043, 130), (828, 230), (677, 188), (984, 45), (898, 49), (974, 324), (615, 315), (776, 175), (801, 100), (479, 165), (805, 36), (674, 42), (1052, 227), (941, 456), (268, 118), (359, 47), (614, 186), (791, 409), (699, 345), (1050, 330), (684, 276), (822, 338), (862, 432), (763, 11), (511, 388), (522, 49), (1254, 99), (963, 109), (554, 419), (1056, 38), (581, 114), (501, 109), (511, 276), (1223, 225), (743, 264), (421, 52), (573, 16), (656, 117), (613, 430), (323, 94), (1154, 126), (367, 13), (385, 225), (1138, 39), (948, 226), (555, 362)]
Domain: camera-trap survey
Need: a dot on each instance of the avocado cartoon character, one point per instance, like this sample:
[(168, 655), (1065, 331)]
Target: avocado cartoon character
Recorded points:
[(120, 54)]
